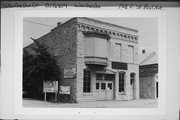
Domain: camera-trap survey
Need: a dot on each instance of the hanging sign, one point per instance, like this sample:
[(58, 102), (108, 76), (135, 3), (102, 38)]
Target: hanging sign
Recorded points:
[(119, 65)]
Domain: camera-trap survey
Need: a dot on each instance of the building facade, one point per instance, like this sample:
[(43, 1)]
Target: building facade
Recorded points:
[(98, 60)]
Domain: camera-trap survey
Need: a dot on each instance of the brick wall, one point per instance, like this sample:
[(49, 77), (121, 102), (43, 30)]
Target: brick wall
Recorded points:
[(66, 42), (61, 42), (64, 39)]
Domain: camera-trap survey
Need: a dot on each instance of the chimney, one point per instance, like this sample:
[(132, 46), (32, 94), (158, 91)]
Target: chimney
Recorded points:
[(59, 23), (143, 51)]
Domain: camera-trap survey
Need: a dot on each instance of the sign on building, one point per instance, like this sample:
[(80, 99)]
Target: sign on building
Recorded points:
[(70, 72), (50, 86), (119, 65), (64, 89)]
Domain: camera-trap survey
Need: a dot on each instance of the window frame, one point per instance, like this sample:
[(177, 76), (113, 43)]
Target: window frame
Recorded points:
[(133, 54), (87, 81), (122, 83), (120, 51)]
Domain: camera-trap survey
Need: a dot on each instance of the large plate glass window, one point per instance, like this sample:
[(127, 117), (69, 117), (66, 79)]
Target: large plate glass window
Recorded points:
[(121, 81)]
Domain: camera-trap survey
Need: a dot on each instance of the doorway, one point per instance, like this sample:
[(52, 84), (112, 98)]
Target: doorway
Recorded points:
[(132, 86), (104, 90)]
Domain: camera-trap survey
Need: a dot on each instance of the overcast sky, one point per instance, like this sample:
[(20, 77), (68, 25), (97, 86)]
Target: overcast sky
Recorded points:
[(148, 29)]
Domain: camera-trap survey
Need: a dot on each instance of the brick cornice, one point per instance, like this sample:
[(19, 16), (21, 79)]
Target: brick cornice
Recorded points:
[(113, 34)]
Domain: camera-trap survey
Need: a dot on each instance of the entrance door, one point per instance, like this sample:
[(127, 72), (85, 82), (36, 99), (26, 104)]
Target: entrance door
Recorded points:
[(104, 90), (132, 86)]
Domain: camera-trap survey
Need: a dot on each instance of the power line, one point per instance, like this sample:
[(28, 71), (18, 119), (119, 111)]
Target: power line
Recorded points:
[(39, 23)]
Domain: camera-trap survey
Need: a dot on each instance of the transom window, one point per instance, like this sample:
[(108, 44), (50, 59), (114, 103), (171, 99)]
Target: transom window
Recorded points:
[(121, 81), (108, 76), (100, 76), (87, 81)]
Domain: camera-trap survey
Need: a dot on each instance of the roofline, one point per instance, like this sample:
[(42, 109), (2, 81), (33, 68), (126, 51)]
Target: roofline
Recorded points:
[(76, 18), (98, 22), (65, 22), (107, 23)]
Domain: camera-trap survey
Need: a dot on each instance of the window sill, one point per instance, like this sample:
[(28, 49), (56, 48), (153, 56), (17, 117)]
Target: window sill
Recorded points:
[(122, 93), (87, 94)]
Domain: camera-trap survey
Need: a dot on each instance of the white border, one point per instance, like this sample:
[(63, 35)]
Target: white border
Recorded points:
[(160, 110)]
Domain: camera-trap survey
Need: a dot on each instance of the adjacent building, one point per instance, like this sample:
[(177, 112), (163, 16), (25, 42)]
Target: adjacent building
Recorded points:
[(98, 60), (148, 72)]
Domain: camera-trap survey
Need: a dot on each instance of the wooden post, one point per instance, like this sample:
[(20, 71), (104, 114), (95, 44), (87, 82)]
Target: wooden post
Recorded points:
[(55, 96), (45, 96)]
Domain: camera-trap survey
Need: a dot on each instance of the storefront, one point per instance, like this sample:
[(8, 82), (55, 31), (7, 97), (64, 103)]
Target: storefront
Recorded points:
[(98, 60)]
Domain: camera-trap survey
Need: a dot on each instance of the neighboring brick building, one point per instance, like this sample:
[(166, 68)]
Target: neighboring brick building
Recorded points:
[(98, 60)]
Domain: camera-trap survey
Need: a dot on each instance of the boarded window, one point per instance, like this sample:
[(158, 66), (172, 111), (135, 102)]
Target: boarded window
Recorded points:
[(96, 47), (118, 52), (87, 81), (131, 53)]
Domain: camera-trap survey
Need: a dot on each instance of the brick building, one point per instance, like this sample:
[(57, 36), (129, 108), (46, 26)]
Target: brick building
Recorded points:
[(98, 60)]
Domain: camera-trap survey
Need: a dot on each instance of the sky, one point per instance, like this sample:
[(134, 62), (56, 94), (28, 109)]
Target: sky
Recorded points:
[(147, 27)]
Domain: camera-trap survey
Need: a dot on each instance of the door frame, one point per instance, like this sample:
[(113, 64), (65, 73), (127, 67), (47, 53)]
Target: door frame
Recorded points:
[(98, 91), (133, 85)]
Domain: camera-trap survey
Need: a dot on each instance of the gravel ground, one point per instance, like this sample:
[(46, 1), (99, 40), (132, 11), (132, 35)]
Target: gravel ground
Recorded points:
[(141, 103)]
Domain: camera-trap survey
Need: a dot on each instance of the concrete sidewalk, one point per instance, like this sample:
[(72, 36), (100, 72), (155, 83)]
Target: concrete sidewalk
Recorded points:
[(141, 103)]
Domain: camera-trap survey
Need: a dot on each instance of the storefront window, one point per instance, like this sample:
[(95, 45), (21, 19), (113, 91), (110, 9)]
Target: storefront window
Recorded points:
[(121, 82), (87, 81)]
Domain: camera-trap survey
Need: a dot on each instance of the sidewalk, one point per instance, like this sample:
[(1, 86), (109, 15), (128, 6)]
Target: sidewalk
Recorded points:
[(141, 103)]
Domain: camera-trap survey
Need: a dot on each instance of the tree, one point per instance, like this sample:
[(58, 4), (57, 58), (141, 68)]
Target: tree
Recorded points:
[(38, 67)]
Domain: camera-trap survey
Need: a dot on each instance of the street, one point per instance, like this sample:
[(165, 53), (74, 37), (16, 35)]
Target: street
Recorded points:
[(140, 103)]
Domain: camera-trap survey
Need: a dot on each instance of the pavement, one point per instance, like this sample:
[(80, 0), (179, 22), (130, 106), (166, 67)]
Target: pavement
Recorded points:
[(140, 103)]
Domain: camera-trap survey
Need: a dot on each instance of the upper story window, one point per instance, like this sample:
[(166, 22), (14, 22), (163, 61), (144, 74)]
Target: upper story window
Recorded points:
[(95, 44), (131, 53), (118, 52), (96, 47)]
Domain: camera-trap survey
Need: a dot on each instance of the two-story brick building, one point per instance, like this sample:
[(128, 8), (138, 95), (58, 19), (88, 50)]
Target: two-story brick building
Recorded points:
[(98, 60)]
